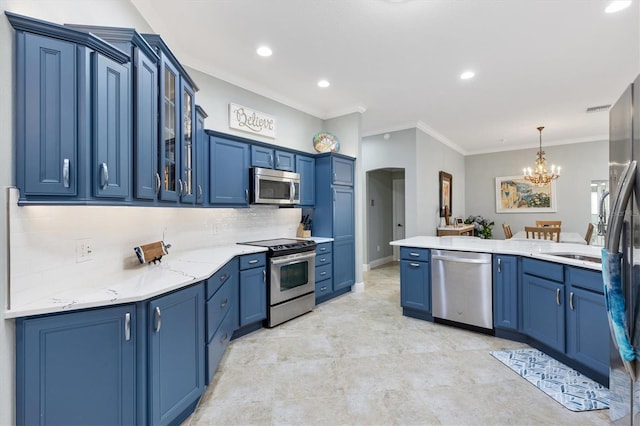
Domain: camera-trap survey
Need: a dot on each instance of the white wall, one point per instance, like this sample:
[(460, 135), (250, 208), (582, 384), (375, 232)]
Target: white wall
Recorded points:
[(431, 158), (581, 163), (295, 129)]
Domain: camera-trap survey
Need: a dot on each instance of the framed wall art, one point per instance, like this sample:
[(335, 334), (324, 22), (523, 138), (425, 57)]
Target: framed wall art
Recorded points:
[(516, 195), (446, 194)]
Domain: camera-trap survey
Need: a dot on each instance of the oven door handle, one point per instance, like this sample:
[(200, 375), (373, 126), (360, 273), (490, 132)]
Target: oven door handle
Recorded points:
[(291, 260)]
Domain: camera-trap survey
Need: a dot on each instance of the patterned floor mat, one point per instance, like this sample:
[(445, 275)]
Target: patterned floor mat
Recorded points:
[(567, 386)]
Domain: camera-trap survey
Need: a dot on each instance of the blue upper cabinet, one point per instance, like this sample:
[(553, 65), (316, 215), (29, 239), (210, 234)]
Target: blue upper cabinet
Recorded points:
[(229, 172), (187, 183), (306, 167), (269, 158), (111, 129), (143, 97), (176, 126), (62, 127), (202, 157), (342, 171), (48, 125)]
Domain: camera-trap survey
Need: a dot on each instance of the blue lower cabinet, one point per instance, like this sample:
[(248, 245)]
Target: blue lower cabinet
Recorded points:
[(543, 312), (505, 292), (219, 342), (77, 368), (176, 367), (415, 285), (253, 295)]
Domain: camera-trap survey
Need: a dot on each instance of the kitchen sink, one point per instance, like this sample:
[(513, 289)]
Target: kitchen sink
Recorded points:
[(577, 257)]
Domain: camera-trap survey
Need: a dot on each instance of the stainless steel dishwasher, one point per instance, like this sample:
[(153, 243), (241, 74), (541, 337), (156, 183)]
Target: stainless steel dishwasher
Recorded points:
[(461, 287)]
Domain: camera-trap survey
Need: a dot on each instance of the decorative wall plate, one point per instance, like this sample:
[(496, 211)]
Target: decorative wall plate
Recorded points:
[(326, 142)]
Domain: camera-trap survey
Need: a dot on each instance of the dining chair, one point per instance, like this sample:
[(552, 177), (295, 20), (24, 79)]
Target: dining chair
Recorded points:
[(543, 232), (589, 233), (507, 231), (547, 223)]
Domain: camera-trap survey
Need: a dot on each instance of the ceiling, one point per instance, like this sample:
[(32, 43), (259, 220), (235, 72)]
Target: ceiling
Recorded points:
[(537, 62)]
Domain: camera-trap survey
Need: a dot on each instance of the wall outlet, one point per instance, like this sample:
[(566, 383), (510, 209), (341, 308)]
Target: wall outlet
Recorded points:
[(84, 250), (378, 248)]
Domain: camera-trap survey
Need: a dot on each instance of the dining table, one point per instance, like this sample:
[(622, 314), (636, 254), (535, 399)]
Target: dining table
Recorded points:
[(565, 237)]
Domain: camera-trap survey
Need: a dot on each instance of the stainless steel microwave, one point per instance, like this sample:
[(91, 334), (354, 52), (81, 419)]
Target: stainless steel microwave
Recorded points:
[(274, 186)]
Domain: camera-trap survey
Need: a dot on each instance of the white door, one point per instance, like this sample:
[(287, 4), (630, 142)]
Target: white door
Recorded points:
[(398, 214)]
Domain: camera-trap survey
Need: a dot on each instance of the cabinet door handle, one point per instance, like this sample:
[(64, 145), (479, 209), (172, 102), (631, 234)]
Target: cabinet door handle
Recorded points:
[(323, 288), (271, 160), (199, 192), (224, 277), (246, 195), (292, 191), (252, 261), (335, 177), (224, 337), (127, 326), (65, 172), (158, 183), (323, 273), (104, 175), (571, 300), (415, 265), (499, 265), (323, 249), (224, 303), (557, 296), (277, 161), (322, 259), (412, 254), (264, 276), (158, 319), (179, 186)]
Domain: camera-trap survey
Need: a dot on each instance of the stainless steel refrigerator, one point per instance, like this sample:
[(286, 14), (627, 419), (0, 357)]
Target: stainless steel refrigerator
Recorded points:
[(621, 257)]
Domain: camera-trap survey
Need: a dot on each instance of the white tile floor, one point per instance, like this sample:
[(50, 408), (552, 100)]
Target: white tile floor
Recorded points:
[(357, 361)]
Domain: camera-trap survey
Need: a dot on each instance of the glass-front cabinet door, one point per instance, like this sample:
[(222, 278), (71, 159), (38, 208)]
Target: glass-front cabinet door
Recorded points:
[(169, 145), (186, 183)]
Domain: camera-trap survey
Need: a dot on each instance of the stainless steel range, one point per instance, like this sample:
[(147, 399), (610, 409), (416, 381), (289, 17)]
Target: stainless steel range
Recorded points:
[(291, 278)]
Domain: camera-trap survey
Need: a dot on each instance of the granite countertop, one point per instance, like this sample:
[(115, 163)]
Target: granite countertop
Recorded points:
[(539, 249), (136, 284)]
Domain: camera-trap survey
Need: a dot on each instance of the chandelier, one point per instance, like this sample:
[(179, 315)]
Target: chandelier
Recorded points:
[(540, 176)]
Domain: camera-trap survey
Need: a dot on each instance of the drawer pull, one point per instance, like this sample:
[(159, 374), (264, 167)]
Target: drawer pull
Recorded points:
[(414, 254), (322, 259), (499, 265), (324, 288), (104, 175), (224, 303), (252, 261), (224, 277), (65, 172), (224, 337), (323, 273), (158, 183), (323, 249), (127, 326), (415, 265), (571, 301), (158, 319)]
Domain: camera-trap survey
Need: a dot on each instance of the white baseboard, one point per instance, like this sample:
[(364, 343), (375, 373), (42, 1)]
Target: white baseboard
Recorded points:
[(377, 262), (358, 287)]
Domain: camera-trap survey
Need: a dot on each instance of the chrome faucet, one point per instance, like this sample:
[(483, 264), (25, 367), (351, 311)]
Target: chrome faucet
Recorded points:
[(601, 215)]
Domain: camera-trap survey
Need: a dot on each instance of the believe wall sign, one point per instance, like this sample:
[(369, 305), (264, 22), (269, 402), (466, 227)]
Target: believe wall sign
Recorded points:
[(249, 120)]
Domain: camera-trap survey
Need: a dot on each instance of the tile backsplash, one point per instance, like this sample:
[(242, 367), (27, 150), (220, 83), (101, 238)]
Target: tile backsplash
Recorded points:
[(43, 239)]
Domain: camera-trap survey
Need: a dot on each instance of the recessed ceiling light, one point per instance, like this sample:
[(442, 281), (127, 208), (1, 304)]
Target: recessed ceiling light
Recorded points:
[(467, 75), (617, 6), (264, 51), (323, 83)]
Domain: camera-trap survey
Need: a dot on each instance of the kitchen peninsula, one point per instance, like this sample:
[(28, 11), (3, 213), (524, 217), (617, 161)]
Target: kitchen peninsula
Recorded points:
[(547, 294)]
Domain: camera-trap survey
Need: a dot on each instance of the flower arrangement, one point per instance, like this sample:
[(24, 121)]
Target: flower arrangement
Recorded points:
[(481, 225)]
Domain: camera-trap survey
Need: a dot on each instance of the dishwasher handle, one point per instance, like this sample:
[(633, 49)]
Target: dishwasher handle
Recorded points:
[(458, 259)]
